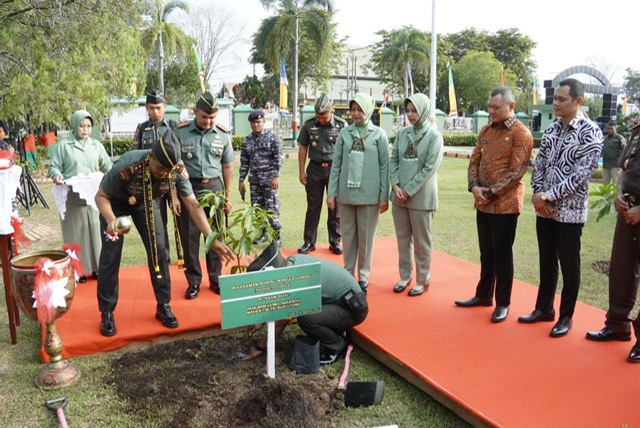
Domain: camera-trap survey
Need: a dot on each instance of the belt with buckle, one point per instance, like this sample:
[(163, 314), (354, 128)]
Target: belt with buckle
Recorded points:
[(323, 164), (200, 180)]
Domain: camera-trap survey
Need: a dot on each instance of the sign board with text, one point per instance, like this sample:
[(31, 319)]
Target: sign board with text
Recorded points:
[(270, 295)]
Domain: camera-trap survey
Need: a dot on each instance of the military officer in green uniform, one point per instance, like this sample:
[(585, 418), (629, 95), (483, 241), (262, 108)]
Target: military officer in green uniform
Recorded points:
[(208, 157), (128, 189), (317, 139), (149, 132), (625, 254)]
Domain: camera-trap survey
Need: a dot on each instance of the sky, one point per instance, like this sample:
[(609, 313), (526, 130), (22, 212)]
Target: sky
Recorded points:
[(567, 32)]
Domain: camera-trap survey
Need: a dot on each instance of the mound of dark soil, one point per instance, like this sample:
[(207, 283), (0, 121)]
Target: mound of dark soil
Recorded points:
[(206, 383)]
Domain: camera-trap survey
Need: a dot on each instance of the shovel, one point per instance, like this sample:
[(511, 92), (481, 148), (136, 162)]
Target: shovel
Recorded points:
[(58, 405), (358, 394)]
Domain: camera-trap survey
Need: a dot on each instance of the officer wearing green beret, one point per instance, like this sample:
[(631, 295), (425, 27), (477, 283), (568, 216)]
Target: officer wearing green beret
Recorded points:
[(317, 140), (128, 189), (208, 157), (149, 132)]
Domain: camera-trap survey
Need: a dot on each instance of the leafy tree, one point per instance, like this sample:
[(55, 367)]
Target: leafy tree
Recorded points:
[(256, 92), (632, 86), (167, 38), (467, 41), (595, 106), (514, 51), (476, 74), (59, 56), (182, 83), (279, 36), (509, 46)]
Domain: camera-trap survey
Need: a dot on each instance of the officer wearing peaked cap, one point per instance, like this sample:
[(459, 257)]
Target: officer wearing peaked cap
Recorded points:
[(150, 131), (138, 177), (208, 157), (317, 140)]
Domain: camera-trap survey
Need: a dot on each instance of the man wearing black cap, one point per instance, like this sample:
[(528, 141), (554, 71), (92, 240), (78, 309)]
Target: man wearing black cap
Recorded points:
[(261, 159), (135, 180), (344, 304), (317, 139), (208, 156), (149, 132)]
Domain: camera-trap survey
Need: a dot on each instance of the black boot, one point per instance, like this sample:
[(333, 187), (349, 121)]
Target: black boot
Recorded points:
[(192, 291), (108, 325), (164, 314)]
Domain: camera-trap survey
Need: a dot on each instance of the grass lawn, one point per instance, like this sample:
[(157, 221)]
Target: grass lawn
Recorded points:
[(92, 403)]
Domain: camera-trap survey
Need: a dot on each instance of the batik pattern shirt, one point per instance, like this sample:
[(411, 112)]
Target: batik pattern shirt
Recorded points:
[(565, 163)]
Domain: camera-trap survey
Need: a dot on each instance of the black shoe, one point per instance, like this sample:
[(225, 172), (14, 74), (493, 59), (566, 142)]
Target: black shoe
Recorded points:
[(82, 279), (399, 288), (306, 248), (418, 291), (215, 287), (108, 325), (562, 327), (500, 314), (364, 284), (634, 355), (607, 335), (94, 275), (164, 314), (328, 357), (474, 301), (192, 291), (335, 249), (537, 316)]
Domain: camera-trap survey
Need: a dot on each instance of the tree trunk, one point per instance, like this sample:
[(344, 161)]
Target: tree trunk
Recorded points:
[(160, 64), (295, 86)]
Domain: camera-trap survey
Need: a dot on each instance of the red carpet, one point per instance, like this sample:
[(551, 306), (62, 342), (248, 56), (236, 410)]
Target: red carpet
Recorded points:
[(506, 374)]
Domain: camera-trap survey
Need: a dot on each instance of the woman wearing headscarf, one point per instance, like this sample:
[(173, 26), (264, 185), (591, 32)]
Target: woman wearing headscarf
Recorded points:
[(80, 154), (359, 184), (415, 157)]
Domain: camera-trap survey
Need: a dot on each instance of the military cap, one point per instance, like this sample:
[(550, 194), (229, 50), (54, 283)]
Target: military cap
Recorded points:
[(207, 103), (270, 257), (167, 150), (4, 126), (155, 97), (324, 104), (255, 115)]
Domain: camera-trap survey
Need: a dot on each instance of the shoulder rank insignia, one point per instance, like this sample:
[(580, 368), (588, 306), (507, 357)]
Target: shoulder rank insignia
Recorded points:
[(222, 128), (180, 169), (124, 174), (184, 123)]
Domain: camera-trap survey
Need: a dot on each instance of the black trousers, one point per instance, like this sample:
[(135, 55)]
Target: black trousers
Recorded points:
[(317, 183), (327, 326), (496, 233), (558, 242), (190, 236), (624, 272), (111, 255)]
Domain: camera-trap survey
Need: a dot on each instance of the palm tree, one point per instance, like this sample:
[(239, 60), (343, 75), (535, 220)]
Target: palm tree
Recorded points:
[(277, 32), (404, 49), (165, 36)]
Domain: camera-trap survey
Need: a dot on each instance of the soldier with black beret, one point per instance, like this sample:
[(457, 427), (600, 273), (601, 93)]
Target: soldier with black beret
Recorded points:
[(208, 157), (135, 180), (149, 132), (317, 140), (261, 160)]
